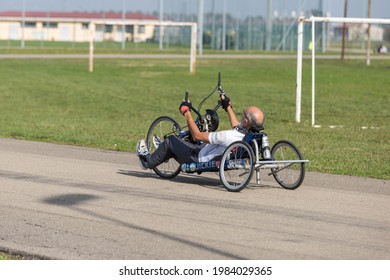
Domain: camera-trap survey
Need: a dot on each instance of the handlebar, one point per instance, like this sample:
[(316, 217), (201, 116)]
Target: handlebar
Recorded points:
[(190, 105), (186, 96), (211, 117), (219, 104), (220, 89)]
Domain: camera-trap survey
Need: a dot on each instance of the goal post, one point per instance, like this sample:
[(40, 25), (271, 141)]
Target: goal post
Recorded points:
[(313, 20), (192, 25)]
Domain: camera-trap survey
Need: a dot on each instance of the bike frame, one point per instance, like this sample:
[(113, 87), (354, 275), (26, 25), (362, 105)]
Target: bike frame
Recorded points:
[(255, 139), (260, 163)]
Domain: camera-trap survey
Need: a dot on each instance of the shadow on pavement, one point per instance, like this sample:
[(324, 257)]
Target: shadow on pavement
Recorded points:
[(195, 179)]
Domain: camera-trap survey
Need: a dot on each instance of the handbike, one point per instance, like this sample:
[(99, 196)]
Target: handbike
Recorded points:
[(239, 160)]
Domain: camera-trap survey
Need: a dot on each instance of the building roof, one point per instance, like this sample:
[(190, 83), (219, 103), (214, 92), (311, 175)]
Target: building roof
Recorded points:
[(77, 15)]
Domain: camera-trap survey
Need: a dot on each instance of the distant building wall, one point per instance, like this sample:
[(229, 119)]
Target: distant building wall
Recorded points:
[(70, 29), (359, 32)]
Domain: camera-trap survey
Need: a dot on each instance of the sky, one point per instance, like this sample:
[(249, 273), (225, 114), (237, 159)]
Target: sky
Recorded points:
[(238, 8)]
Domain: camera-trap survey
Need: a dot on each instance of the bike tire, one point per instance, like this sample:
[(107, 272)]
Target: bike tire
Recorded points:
[(160, 129), (289, 177), (235, 178)]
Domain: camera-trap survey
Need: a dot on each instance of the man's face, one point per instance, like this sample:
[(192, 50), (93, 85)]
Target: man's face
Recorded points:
[(244, 120)]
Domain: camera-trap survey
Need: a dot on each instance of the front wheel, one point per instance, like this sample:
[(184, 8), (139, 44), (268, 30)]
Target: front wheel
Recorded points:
[(288, 175), (236, 167), (159, 130)]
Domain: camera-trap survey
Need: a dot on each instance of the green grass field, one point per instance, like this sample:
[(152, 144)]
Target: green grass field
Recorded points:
[(59, 101)]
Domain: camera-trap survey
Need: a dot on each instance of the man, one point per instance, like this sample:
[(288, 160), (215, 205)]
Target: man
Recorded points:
[(214, 143)]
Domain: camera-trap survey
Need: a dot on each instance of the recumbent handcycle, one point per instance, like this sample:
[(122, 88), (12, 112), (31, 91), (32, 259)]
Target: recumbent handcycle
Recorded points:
[(240, 159)]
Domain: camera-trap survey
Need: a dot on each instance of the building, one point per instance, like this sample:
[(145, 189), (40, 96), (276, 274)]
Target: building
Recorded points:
[(358, 32), (75, 26)]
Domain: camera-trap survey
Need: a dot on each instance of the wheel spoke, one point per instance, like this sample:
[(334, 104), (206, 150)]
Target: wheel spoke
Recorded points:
[(160, 129), (236, 167), (291, 175)]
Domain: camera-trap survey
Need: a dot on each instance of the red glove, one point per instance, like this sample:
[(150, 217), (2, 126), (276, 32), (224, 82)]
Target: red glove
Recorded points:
[(184, 107)]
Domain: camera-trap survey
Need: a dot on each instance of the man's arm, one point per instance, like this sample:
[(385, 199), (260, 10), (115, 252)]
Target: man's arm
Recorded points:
[(195, 132), (232, 117)]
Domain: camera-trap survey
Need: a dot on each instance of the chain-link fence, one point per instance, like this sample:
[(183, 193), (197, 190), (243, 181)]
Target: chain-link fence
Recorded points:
[(228, 30)]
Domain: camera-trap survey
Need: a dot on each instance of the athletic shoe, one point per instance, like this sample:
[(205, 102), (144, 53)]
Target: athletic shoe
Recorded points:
[(142, 152), (156, 141)]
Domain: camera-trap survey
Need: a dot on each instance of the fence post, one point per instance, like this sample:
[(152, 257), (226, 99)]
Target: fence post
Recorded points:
[(194, 27), (91, 42)]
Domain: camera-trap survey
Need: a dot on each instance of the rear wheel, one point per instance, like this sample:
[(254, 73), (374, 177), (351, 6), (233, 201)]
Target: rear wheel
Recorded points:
[(289, 175), (236, 167), (159, 130)]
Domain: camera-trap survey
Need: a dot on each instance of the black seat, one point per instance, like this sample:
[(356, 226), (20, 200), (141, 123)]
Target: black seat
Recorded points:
[(256, 129)]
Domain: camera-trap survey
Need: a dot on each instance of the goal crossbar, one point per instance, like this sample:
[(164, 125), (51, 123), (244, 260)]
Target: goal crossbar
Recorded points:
[(313, 20), (346, 20), (193, 25)]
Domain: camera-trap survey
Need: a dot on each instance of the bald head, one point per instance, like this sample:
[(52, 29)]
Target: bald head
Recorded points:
[(255, 117)]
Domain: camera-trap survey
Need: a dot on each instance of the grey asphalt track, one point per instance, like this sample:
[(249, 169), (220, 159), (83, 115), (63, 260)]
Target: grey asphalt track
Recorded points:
[(66, 202)]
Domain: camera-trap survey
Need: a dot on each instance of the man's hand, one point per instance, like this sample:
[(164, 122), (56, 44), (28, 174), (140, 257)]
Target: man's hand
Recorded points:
[(226, 102), (184, 107)]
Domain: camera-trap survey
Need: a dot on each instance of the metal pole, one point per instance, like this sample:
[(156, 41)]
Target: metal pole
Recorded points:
[(237, 46), (268, 27), (313, 32), (213, 37), (123, 25), (299, 71), (193, 48), (224, 26), (368, 59), (91, 45), (344, 30), (161, 28), (324, 35), (23, 22), (249, 33), (349, 20), (200, 25)]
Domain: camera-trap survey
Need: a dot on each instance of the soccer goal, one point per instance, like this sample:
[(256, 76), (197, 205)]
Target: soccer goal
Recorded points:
[(313, 20), (150, 25)]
